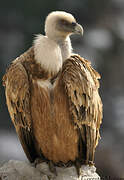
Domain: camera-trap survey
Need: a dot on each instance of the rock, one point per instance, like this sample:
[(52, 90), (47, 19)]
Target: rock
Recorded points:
[(20, 170)]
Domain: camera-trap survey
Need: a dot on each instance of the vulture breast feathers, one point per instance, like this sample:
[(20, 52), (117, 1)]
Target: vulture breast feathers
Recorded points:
[(56, 114)]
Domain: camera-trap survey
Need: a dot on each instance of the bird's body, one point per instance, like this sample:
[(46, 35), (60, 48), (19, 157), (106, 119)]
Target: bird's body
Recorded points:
[(53, 99), (56, 142)]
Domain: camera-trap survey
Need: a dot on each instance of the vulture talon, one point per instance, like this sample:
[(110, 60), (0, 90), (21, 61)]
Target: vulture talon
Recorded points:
[(37, 161), (78, 167), (52, 168)]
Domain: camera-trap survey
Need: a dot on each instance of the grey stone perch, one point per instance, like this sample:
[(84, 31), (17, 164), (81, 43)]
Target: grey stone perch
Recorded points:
[(21, 170)]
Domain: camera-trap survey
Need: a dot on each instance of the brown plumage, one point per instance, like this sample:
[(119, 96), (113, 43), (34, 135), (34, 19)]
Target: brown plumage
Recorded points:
[(70, 109), (57, 115)]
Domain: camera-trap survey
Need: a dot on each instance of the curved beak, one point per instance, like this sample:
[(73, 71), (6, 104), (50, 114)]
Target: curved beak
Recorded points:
[(78, 29)]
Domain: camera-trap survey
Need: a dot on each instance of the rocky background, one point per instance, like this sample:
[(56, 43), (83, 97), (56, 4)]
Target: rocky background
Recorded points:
[(102, 43), (20, 170)]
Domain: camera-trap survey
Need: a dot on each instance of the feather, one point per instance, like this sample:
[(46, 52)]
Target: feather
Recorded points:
[(81, 85), (18, 101)]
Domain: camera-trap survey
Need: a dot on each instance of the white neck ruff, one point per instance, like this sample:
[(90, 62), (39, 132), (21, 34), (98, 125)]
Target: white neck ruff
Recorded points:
[(47, 53)]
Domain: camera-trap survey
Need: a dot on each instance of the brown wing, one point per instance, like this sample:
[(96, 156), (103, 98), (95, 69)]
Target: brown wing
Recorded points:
[(18, 101), (81, 84)]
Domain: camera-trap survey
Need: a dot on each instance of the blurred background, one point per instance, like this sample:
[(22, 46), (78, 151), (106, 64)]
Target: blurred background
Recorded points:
[(102, 44)]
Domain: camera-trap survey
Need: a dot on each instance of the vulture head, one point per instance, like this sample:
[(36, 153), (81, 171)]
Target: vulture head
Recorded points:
[(59, 25)]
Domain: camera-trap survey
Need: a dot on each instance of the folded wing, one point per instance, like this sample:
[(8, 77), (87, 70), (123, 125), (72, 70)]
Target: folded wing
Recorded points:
[(16, 83), (81, 85)]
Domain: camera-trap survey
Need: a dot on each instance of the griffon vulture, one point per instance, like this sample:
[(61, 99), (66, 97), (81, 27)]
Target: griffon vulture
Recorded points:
[(53, 99)]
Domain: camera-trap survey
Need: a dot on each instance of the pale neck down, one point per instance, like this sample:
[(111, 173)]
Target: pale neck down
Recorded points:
[(65, 46)]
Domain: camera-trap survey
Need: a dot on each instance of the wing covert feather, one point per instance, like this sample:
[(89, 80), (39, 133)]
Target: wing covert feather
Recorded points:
[(81, 84), (18, 101)]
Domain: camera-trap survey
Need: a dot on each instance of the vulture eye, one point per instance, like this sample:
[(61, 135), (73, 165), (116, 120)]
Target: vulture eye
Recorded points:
[(73, 24), (64, 22)]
